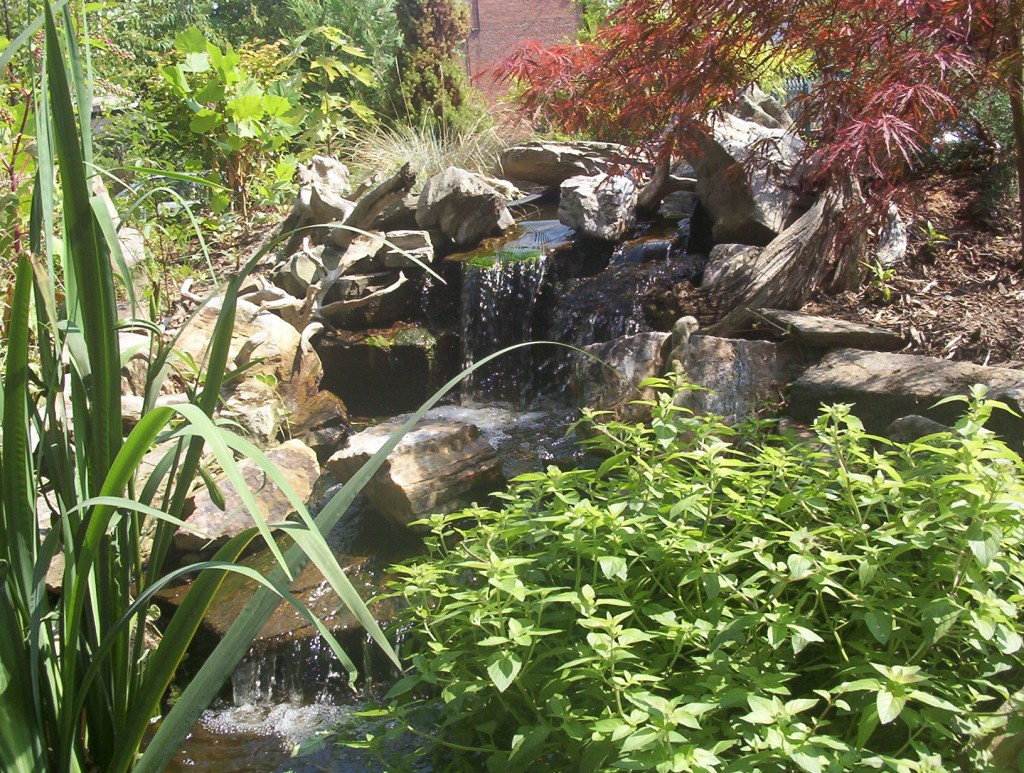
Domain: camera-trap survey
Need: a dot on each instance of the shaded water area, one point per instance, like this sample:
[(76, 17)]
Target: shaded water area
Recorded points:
[(541, 283)]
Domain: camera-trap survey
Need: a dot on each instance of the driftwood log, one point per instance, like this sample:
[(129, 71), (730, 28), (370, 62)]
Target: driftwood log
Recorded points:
[(372, 203), (822, 250)]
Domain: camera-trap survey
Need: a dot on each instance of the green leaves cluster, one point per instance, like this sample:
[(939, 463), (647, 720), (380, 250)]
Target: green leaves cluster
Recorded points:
[(244, 109), (706, 602), (240, 122)]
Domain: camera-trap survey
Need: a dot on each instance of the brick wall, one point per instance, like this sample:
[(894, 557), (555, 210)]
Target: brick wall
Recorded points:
[(497, 25)]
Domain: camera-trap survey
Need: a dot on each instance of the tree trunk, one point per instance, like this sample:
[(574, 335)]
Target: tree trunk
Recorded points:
[(1016, 89), (822, 250)]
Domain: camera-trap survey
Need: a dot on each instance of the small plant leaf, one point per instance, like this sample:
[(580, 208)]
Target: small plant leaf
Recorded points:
[(503, 670), (889, 705), (880, 625)]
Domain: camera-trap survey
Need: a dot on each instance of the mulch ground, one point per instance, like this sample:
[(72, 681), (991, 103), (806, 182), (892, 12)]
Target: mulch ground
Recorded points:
[(961, 299)]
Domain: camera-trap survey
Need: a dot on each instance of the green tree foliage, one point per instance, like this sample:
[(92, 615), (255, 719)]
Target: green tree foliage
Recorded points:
[(239, 112), (432, 81), (708, 601)]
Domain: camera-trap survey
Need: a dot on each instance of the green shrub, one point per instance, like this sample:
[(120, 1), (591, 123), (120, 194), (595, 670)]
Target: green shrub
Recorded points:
[(700, 602)]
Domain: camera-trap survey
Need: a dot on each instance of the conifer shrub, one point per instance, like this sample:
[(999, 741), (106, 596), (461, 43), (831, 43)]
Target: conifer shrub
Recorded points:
[(432, 81), (705, 600)]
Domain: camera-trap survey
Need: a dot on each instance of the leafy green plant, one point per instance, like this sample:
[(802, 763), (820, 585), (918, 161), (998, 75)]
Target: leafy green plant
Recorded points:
[(699, 602), (880, 280), (932, 240), (243, 114)]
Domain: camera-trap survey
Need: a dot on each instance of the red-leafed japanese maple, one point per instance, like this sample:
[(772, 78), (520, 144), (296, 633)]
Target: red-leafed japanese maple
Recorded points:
[(889, 73)]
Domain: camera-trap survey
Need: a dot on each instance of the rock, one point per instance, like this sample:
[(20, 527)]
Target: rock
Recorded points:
[(296, 372), (323, 185), (830, 333), (435, 468), (321, 422), (135, 354), (609, 382), (505, 189), (814, 253), (325, 173), (256, 407), (299, 271), (910, 428), (398, 216), (463, 207), (293, 459), (551, 163), (892, 241), (741, 378), (133, 246), (361, 256), (746, 208), (602, 207), (883, 387), (132, 406), (682, 331), (677, 205), (409, 249), (371, 300), (763, 109), (720, 258), (311, 588)]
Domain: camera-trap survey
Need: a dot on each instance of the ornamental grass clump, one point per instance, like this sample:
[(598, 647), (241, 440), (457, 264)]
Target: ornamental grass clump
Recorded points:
[(710, 600)]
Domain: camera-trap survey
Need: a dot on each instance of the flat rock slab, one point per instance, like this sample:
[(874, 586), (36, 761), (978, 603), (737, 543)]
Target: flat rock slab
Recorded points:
[(831, 333), (435, 468), (550, 163), (297, 463), (884, 387)]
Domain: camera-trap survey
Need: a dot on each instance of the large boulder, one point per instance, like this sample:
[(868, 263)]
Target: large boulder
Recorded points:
[(609, 379), (551, 163), (435, 468), (747, 207), (737, 378), (883, 387), (213, 525), (258, 334), (600, 206), (463, 207)]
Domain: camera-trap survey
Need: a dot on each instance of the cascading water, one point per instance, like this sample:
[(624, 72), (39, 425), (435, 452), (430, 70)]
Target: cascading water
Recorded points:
[(498, 302), (523, 290), (500, 291)]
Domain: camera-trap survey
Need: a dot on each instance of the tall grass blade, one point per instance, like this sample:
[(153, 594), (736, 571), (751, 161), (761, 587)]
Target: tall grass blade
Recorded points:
[(18, 524), (20, 748), (90, 259)]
